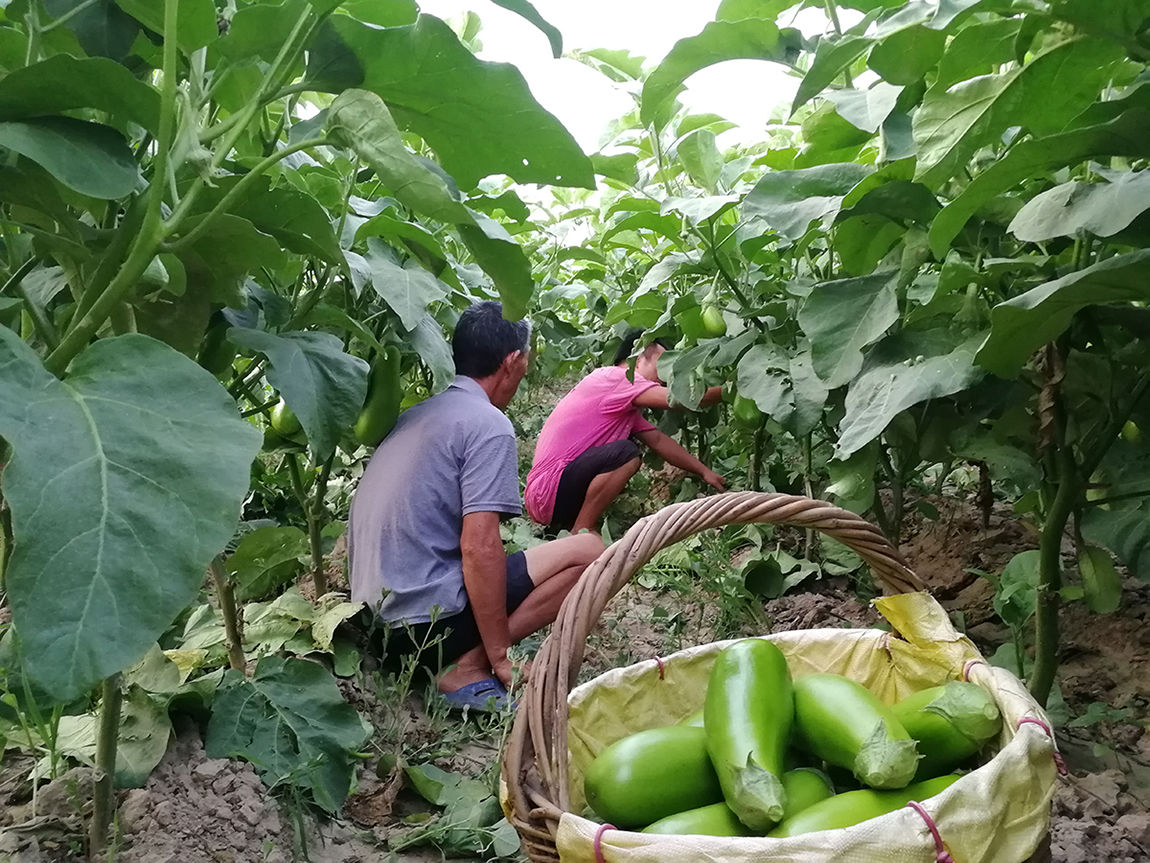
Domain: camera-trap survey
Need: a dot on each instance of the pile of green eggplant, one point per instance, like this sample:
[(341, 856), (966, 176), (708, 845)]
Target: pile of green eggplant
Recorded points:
[(766, 754)]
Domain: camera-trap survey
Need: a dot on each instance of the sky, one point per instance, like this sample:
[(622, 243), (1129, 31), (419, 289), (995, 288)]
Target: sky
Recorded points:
[(743, 91)]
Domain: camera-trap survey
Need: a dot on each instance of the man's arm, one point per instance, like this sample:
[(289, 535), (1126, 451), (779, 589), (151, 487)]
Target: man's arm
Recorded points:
[(670, 451), (485, 579), (658, 397)]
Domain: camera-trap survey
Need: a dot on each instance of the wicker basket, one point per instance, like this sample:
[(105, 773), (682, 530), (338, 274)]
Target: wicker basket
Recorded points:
[(535, 762)]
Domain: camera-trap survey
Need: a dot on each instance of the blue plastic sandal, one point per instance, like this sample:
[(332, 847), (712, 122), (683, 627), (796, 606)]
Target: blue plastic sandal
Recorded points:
[(485, 696)]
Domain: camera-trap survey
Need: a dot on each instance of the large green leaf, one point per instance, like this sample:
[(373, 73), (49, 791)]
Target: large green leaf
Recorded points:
[(196, 20), (1123, 21), (102, 28), (503, 259), (785, 388), (906, 56), (259, 30), (866, 109), (789, 201), (530, 13), (977, 50), (1124, 135), (359, 119), (892, 381), (266, 559), (1102, 209), (900, 200), (142, 740), (1021, 325), (491, 124), (842, 317), (1101, 582), (126, 479), (1043, 96), (220, 259), (701, 157), (91, 158), (407, 288), (428, 341), (290, 721), (322, 384), (295, 219), (832, 57), (63, 83), (748, 39), (1126, 532)]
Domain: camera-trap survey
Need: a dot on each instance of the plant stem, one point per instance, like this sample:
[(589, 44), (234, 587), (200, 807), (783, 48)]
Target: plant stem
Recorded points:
[(1050, 578), (103, 795), (314, 526), (233, 625), (757, 460), (808, 490), (17, 277)]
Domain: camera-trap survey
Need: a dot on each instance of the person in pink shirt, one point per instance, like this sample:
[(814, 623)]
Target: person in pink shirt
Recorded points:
[(589, 446)]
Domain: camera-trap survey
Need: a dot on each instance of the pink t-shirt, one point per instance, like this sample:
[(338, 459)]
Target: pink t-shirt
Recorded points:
[(599, 410)]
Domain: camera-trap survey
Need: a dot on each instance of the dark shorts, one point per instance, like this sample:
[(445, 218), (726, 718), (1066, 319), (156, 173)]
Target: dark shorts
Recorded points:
[(577, 477), (439, 643)]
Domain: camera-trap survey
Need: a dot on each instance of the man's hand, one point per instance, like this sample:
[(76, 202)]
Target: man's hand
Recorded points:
[(714, 480)]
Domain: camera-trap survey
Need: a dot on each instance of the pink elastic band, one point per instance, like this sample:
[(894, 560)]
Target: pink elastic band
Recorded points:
[(1058, 760), (966, 669), (662, 668), (603, 828), (941, 855)]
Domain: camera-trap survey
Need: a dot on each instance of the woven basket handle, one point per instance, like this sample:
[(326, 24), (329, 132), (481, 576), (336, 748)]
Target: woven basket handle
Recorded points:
[(535, 760)]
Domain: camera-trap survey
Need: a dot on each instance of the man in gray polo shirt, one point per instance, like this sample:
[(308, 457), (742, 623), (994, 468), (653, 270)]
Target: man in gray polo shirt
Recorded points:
[(423, 537)]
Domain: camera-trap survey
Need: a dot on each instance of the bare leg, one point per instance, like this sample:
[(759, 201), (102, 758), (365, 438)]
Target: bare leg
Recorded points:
[(602, 490), (554, 568)]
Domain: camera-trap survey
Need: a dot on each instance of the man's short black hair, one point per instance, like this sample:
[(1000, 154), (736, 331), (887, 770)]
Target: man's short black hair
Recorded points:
[(628, 345), (483, 339)]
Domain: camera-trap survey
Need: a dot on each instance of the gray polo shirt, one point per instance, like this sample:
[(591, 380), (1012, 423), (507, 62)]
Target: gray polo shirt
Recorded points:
[(448, 456)]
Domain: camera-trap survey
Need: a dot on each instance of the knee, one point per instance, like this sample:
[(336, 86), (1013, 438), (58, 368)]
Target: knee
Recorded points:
[(632, 467), (588, 546)]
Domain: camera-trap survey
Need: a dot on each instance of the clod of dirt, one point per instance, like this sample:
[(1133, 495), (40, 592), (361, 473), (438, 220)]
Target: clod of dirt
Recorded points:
[(1095, 820), (194, 808)]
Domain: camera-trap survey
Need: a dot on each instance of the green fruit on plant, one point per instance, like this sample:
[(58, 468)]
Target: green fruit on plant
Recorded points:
[(384, 394), (843, 723), (709, 417), (950, 722), (650, 775), (714, 820), (747, 719), (1130, 432), (854, 807), (747, 413), (713, 321), (283, 420)]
